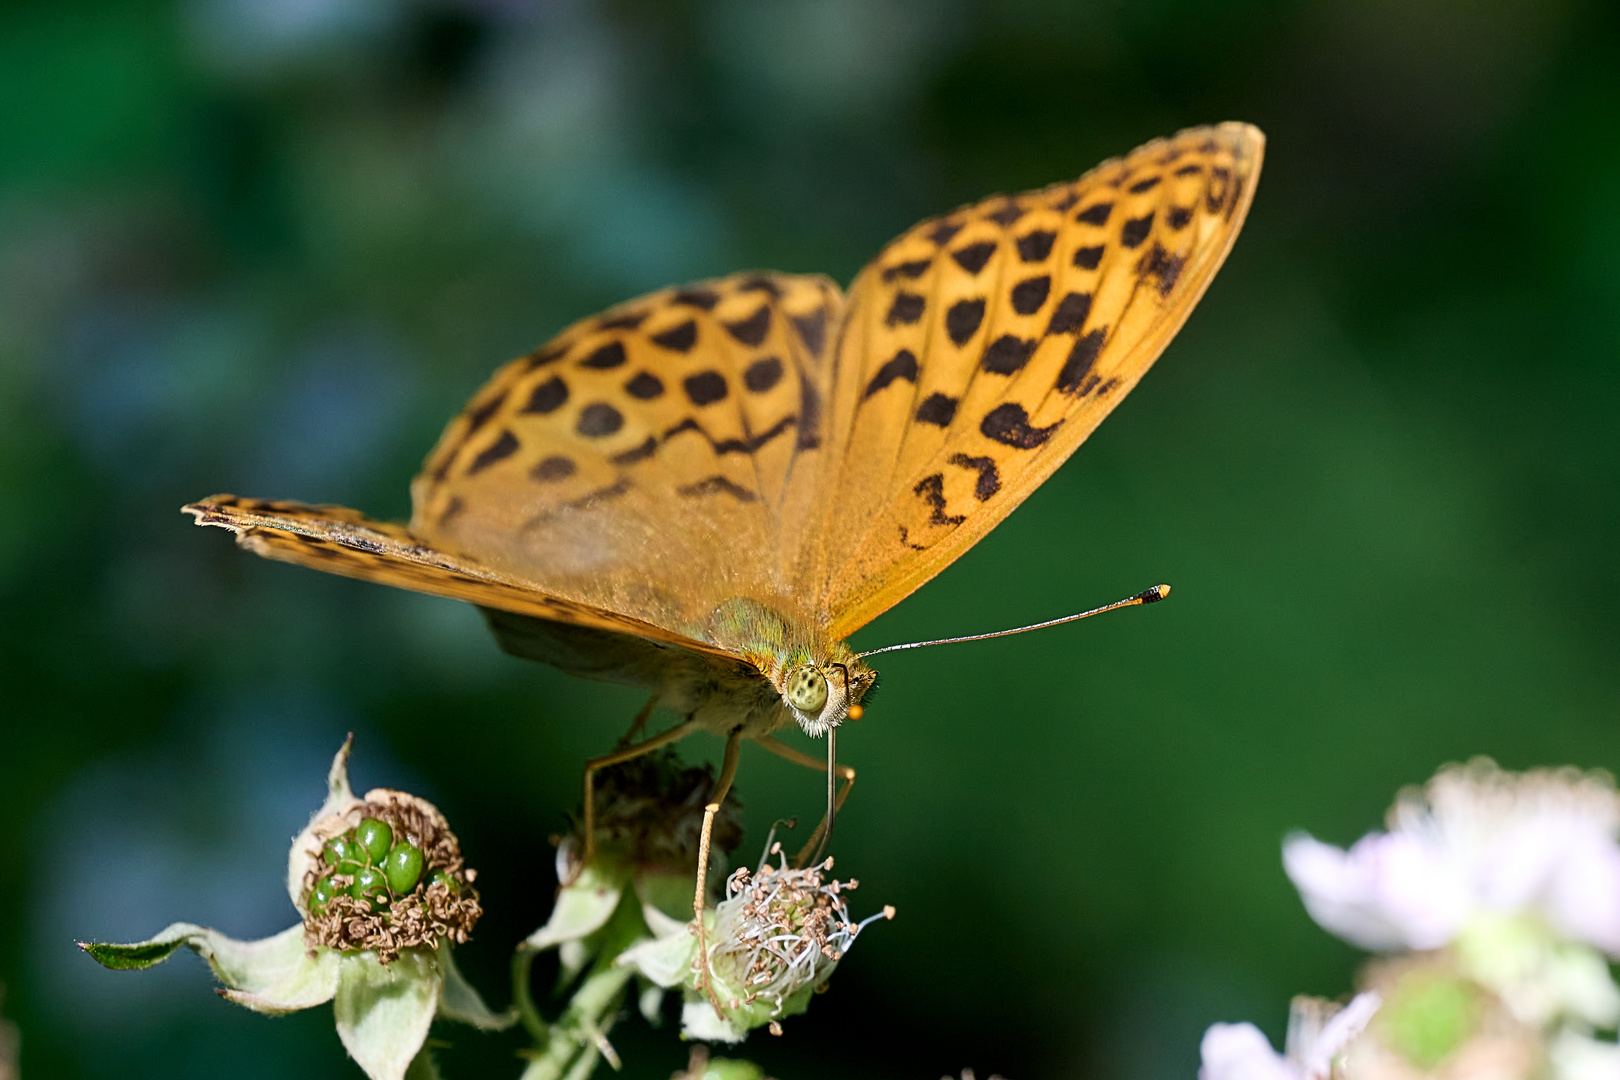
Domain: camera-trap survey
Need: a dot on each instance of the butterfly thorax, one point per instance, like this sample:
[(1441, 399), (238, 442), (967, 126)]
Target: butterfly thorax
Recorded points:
[(816, 678)]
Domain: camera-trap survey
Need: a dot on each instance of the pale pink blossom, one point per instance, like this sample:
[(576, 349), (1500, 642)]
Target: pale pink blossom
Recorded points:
[(1476, 843)]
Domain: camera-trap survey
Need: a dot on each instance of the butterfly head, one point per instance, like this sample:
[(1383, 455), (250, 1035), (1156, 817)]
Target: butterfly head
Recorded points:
[(823, 695)]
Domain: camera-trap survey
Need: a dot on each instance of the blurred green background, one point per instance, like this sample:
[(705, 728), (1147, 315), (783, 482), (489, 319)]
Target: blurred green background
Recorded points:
[(270, 246)]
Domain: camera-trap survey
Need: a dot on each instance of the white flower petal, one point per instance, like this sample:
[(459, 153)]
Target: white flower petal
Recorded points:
[(384, 1011), (700, 1022), (582, 907), (667, 961), (1239, 1052), (1574, 1056), (1386, 892), (273, 975), (660, 924), (1583, 898), (459, 1001)]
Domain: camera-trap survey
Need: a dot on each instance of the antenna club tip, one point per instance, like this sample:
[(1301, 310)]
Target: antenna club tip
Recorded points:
[(1155, 594), (856, 712)]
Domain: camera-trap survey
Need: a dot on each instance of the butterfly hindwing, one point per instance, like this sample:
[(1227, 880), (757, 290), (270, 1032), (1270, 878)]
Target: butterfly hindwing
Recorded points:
[(982, 347)]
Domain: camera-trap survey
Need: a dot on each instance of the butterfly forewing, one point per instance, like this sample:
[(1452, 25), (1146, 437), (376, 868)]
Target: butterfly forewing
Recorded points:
[(642, 461), (760, 436), (981, 348)]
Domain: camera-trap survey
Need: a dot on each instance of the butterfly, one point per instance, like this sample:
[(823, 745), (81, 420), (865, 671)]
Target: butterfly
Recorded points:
[(706, 490)]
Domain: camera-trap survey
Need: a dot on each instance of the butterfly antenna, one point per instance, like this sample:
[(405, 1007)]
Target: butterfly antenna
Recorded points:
[(1149, 596)]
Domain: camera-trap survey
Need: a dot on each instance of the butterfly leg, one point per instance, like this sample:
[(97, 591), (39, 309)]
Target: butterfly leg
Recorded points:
[(722, 787), (639, 724), (679, 731), (799, 757)]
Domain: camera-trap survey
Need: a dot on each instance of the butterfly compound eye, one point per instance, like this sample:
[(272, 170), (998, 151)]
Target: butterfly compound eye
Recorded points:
[(807, 690)]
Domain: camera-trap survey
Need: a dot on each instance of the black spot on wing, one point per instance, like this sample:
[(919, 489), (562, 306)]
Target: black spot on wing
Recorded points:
[(503, 447), (761, 283), (698, 298), (1070, 314), (906, 309), (716, 485), (912, 270), (1008, 424), (639, 453), (644, 386), (1081, 357), (1189, 170), (600, 495), (973, 257), (548, 397), (1036, 246), (752, 330), (812, 330), (705, 388), (611, 355), (599, 419), (554, 468), (937, 409), (1006, 214), (809, 415), (1145, 185), (761, 375), (989, 481), (932, 491), (1096, 214), (1177, 217), (1006, 355), (548, 354), (678, 338), (1219, 188), (1136, 230), (1162, 267), (628, 321), (477, 418), (902, 366), (963, 319), (1087, 258), (1069, 199), (1029, 295), (941, 234)]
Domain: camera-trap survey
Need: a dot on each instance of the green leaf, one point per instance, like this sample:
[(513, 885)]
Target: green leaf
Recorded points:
[(275, 975)]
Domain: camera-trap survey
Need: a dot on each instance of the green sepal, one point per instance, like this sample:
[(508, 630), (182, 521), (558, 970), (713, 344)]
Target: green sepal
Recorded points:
[(142, 954)]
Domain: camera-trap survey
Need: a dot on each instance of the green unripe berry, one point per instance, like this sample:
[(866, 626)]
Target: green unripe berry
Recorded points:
[(403, 867), (341, 849), (350, 868), (375, 837), (442, 878), (321, 895), (368, 883)]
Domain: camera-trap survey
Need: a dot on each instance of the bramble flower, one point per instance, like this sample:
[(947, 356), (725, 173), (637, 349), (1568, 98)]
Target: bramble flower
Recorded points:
[(759, 955), (1518, 874), (649, 813), (384, 895), (1319, 1034)]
